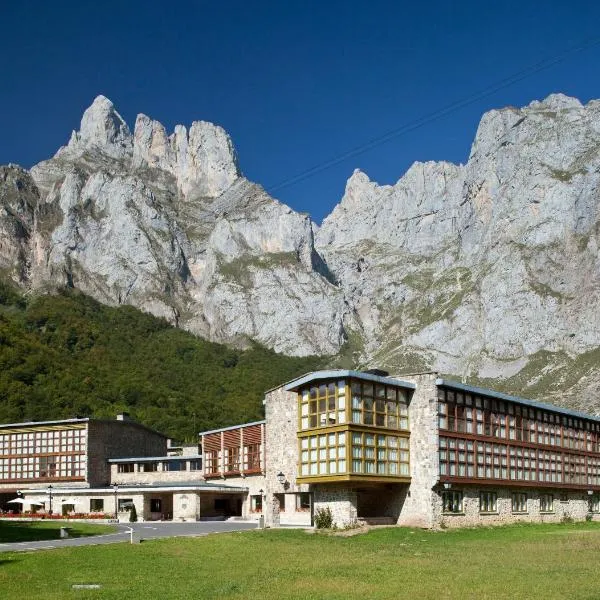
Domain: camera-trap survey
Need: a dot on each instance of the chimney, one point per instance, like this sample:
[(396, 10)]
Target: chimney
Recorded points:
[(124, 416)]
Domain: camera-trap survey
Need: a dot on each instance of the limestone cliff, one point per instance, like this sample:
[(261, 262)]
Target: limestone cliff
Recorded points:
[(483, 270)]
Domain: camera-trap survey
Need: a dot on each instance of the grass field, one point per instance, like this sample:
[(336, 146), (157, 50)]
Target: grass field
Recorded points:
[(22, 531), (531, 561)]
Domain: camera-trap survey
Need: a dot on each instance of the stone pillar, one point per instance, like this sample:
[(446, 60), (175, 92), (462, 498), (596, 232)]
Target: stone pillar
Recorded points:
[(280, 449), (186, 506), (420, 505)]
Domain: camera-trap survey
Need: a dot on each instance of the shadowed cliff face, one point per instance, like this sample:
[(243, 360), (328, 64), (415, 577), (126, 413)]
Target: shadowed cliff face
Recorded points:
[(477, 270)]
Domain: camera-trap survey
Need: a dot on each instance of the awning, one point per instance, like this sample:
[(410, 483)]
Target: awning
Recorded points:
[(24, 502)]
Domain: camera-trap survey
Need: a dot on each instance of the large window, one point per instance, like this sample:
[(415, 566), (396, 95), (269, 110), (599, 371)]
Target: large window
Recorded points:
[(463, 412), (149, 467), (96, 505), (488, 502), (323, 405), (519, 502), (595, 503), (252, 457), (126, 468), (323, 454), (379, 405), (212, 462), (54, 454), (546, 503), (232, 459), (452, 502), (377, 454), (492, 460)]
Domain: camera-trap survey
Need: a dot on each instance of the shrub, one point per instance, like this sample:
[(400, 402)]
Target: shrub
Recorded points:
[(132, 514), (324, 518)]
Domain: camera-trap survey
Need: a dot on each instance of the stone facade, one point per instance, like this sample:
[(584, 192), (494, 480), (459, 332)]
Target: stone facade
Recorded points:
[(416, 505), (341, 501), (281, 450), (117, 439), (565, 506), (150, 477), (186, 506)]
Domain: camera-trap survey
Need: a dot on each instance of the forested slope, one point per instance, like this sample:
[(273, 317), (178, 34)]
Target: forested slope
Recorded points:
[(65, 355)]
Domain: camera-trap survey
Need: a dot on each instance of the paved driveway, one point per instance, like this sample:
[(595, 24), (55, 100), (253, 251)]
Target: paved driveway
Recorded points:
[(146, 531)]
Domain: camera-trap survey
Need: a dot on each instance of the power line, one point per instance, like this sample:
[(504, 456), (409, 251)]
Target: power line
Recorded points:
[(437, 114)]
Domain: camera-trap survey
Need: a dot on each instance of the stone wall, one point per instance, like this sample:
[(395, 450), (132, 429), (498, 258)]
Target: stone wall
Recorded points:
[(341, 501), (573, 506), (186, 506), (281, 450), (152, 477), (417, 503), (118, 439)]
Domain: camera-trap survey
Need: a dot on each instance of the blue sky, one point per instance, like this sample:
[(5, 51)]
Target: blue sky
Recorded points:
[(295, 83)]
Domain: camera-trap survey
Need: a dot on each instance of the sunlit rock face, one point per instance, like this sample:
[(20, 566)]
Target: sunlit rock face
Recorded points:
[(486, 269), (168, 223), (477, 269)]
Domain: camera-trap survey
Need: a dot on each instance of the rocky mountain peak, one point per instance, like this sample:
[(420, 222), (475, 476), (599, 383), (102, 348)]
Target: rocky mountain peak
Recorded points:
[(102, 128), (485, 269)]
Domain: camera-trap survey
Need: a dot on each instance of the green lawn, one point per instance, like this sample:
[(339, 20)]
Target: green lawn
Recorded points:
[(23, 531), (535, 561)]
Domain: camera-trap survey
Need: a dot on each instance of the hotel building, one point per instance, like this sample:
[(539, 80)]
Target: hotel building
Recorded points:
[(415, 450)]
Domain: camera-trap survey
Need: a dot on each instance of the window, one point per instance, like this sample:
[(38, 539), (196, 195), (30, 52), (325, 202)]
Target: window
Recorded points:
[(256, 503), (519, 502), (126, 468), (195, 465), (212, 462), (323, 405), (452, 502), (252, 457), (155, 505), (174, 465), (281, 499), (125, 504), (546, 503), (150, 467), (595, 503), (303, 502), (488, 502), (232, 459), (323, 454), (96, 505)]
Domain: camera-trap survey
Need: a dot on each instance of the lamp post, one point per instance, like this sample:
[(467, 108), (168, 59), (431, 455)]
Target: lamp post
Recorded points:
[(50, 499), (281, 478), (116, 490)]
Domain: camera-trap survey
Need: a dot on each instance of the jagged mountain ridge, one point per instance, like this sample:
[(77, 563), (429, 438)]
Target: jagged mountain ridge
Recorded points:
[(475, 269)]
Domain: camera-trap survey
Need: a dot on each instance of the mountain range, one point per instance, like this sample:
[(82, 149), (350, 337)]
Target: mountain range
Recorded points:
[(488, 271)]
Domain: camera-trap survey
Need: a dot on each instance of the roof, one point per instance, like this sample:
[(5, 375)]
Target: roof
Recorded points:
[(34, 423), (190, 486), (81, 420), (339, 373), (500, 396), (131, 459), (232, 427)]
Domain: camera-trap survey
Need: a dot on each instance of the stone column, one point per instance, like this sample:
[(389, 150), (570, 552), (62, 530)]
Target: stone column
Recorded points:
[(420, 506)]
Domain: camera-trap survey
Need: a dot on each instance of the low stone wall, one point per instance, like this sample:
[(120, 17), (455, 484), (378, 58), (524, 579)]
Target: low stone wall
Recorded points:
[(574, 505), (342, 502)]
